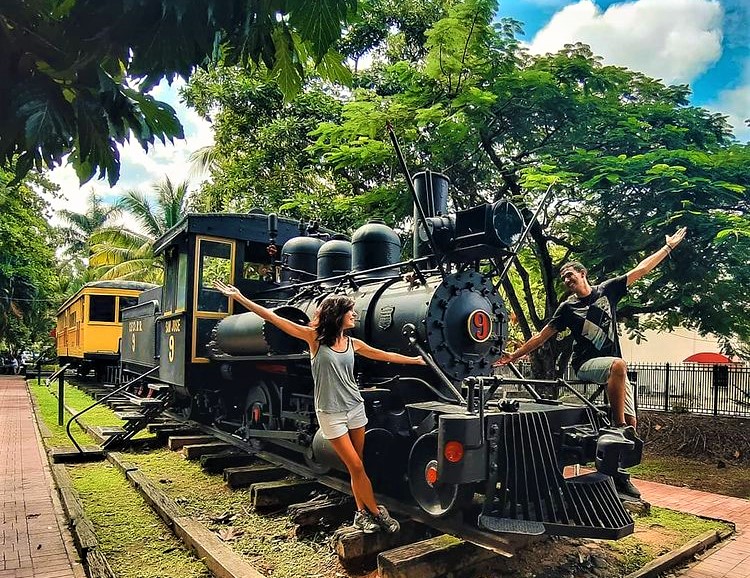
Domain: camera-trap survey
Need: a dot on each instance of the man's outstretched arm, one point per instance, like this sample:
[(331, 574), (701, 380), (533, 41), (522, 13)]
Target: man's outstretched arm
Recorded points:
[(648, 264), (532, 344)]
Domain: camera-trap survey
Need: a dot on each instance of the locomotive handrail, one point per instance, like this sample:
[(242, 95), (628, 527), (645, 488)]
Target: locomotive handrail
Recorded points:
[(525, 233), (351, 275), (97, 402), (411, 334)]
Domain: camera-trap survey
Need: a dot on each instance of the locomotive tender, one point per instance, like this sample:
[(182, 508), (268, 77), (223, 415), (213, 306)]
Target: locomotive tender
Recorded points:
[(445, 435)]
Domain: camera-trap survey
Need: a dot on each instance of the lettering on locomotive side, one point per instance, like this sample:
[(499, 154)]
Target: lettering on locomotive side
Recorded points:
[(135, 326), (173, 326)]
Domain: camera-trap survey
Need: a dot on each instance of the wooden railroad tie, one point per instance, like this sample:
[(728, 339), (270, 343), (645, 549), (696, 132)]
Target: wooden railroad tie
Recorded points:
[(431, 558), (352, 544), (215, 463), (247, 475), (322, 509), (195, 451), (281, 492)]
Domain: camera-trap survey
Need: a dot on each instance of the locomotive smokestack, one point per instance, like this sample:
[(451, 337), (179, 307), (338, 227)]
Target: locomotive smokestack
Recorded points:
[(432, 192)]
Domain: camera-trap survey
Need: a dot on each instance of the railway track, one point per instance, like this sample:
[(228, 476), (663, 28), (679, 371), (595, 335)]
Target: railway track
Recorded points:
[(425, 543)]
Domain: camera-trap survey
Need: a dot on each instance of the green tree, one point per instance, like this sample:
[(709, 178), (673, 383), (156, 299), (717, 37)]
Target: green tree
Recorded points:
[(120, 253), (79, 226), (76, 73), (628, 154), (27, 266), (629, 158)]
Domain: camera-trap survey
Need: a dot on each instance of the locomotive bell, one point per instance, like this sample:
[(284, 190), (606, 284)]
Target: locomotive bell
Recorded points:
[(375, 245)]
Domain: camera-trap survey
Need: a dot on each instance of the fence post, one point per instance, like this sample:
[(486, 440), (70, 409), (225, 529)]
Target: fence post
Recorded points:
[(666, 388), (715, 384), (60, 400)]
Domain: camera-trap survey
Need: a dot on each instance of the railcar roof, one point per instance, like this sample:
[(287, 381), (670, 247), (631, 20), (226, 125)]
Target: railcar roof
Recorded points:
[(241, 226), (107, 284)]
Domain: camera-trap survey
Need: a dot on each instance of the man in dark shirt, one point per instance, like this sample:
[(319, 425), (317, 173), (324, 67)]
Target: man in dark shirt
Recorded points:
[(590, 314)]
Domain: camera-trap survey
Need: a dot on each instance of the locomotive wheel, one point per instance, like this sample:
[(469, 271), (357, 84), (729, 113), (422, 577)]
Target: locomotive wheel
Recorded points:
[(435, 498), (260, 405)]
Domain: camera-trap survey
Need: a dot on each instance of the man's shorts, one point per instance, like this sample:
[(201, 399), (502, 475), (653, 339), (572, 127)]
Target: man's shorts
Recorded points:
[(335, 424), (597, 371)]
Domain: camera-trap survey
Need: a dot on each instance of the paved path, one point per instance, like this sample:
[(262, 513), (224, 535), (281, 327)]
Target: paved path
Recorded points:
[(34, 540), (732, 558)]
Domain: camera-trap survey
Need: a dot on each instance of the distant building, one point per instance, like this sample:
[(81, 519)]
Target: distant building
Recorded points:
[(667, 347)]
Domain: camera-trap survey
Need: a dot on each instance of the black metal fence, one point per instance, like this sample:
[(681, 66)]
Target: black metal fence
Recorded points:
[(686, 388)]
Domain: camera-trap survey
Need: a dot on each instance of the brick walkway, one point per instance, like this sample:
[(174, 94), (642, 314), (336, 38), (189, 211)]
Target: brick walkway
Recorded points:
[(34, 539), (732, 558)]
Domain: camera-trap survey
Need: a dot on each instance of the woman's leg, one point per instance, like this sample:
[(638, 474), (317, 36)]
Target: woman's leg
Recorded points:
[(350, 455)]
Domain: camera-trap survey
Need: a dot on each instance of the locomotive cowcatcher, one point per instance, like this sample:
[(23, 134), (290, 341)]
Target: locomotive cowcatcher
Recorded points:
[(450, 436)]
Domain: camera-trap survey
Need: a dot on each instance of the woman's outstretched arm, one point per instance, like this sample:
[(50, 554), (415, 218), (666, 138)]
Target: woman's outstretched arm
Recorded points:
[(290, 327), (370, 352)]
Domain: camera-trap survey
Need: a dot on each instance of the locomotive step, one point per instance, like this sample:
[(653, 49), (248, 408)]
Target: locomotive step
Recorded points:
[(108, 431), (510, 526), (129, 415)]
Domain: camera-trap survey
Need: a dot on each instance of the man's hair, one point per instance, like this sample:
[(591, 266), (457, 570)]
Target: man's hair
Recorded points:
[(577, 265), (329, 318)]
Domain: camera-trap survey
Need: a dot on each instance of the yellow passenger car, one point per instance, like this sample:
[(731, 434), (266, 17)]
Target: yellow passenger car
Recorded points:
[(89, 324)]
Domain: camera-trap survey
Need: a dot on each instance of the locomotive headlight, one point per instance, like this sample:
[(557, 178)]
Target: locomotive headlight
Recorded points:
[(507, 223), (453, 451)]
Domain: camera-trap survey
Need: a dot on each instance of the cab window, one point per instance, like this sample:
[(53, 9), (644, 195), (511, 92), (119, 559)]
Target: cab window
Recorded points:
[(214, 263), (175, 286), (125, 302)]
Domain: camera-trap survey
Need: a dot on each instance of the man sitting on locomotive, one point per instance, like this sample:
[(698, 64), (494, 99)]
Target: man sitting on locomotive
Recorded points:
[(339, 406), (590, 314)]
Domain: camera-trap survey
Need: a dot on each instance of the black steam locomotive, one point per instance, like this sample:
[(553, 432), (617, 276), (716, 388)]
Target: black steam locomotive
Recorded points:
[(438, 434)]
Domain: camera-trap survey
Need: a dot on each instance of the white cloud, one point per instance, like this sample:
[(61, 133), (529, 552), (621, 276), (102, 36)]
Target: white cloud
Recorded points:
[(140, 169), (735, 103), (674, 40)]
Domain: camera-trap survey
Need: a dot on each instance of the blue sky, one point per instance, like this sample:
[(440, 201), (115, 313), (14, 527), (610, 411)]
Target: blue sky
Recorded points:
[(703, 43)]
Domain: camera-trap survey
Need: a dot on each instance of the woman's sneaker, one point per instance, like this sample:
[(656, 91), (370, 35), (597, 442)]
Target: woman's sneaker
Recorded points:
[(385, 521), (365, 521)]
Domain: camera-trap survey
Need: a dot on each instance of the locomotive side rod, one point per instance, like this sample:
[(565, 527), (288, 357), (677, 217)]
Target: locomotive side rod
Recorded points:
[(415, 197), (411, 334)]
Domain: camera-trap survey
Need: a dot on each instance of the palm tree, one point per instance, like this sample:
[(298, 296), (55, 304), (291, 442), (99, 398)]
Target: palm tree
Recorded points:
[(119, 253), (80, 226)]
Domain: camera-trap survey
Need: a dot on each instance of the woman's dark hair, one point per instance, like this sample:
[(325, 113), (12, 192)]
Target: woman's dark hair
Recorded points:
[(329, 318)]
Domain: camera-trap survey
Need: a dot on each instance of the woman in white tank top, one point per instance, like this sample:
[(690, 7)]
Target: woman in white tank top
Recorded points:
[(338, 403)]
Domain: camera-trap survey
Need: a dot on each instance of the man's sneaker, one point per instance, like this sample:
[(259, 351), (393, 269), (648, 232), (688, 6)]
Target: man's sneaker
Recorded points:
[(624, 486), (385, 521), (365, 521)]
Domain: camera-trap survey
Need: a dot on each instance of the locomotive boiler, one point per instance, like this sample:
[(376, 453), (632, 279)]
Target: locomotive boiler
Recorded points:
[(445, 435)]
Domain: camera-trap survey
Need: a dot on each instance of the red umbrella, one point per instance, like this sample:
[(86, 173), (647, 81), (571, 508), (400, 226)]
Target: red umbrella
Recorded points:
[(707, 357)]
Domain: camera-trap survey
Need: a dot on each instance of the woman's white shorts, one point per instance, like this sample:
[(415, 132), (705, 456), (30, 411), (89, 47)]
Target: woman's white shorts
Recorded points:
[(335, 424)]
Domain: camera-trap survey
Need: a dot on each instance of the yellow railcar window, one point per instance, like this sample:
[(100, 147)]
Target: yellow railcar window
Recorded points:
[(102, 308)]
